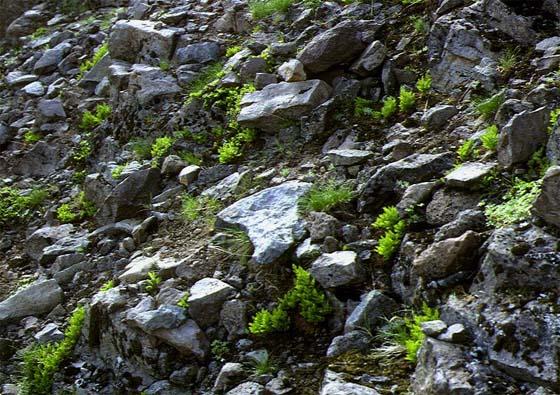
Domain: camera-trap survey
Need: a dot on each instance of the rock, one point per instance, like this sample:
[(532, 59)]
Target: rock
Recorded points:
[(66, 245), (206, 299), (130, 197), (229, 375), (278, 104), (41, 160), (51, 58), (35, 89), (22, 25), (357, 340), (307, 250), (188, 339), (413, 169), (150, 83), (136, 40), (446, 204), (270, 218), (334, 384), (466, 220), (44, 237), (322, 225), (340, 268), (416, 194), (547, 205), (446, 257), (434, 328), (203, 53), (524, 134), (264, 79), (441, 370), (455, 333), (229, 186), (338, 45), (248, 388), (233, 317), (292, 71), (469, 175), (348, 157), (371, 312), (501, 17), (165, 317), (50, 333), (50, 111), (172, 165), (372, 57), (18, 78), (251, 67), (437, 117), (38, 298), (189, 174)]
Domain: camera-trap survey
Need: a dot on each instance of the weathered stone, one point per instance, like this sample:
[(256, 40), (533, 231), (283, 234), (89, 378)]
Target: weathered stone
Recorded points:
[(38, 298), (357, 340), (188, 339), (189, 174), (340, 268), (234, 317), (501, 17), (469, 175), (279, 104), (18, 78), (204, 52), (524, 134), (35, 89), (547, 205), (165, 317), (334, 384), (446, 204), (416, 194), (230, 374), (270, 218), (44, 237), (348, 157), (50, 333), (322, 225), (371, 312), (434, 328), (372, 57), (437, 117), (292, 71), (248, 388), (455, 333), (149, 83), (206, 299), (49, 111), (172, 165), (51, 58), (466, 220)]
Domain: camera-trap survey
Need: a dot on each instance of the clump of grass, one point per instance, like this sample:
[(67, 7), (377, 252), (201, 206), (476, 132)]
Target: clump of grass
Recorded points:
[(487, 108), (17, 206), (394, 229), (160, 147), (407, 100), (107, 286), (184, 301), (90, 63), (41, 362), (261, 363), (263, 8), (219, 349), (233, 50), (209, 76), (78, 209), (237, 244), (199, 208), (117, 171), (508, 61), (554, 114), (516, 205), (40, 32), (141, 148), (490, 138), (325, 197), (164, 65), (420, 25)]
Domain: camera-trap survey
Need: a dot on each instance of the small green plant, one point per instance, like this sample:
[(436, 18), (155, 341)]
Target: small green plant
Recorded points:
[(264, 8), (305, 296), (117, 171), (420, 25), (538, 164), (40, 32), (467, 151), (90, 63), (508, 61), (237, 244), (152, 283), (190, 158), (388, 109), (487, 108), (41, 362), (261, 363), (141, 148), (424, 84), (107, 286), (554, 114), (362, 107), (516, 205), (199, 208), (78, 209), (233, 50), (161, 147), (73, 7), (164, 65), (325, 197), (31, 137), (406, 332), (407, 100), (17, 205), (210, 76), (394, 229), (184, 301), (219, 349), (91, 120), (82, 152), (490, 138)]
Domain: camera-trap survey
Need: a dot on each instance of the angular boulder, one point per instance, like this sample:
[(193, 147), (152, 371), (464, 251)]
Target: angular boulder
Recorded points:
[(340, 268), (270, 218), (38, 298), (277, 105), (149, 83), (371, 312), (547, 205), (469, 175), (206, 299)]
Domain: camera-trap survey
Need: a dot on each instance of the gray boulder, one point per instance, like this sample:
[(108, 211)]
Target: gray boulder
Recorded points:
[(49, 111), (165, 317), (466, 220), (206, 299), (292, 71), (51, 58), (503, 18), (547, 205), (470, 175), (279, 104), (188, 339), (270, 218), (44, 237), (338, 45), (371, 312), (38, 298), (524, 134), (437, 117), (348, 157), (340, 268), (204, 52), (372, 57), (352, 341), (334, 384), (149, 83), (248, 388), (18, 78)]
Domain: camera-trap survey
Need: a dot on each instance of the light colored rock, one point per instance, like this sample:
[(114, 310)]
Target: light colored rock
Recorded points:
[(292, 71), (188, 339), (372, 57), (38, 298), (547, 205), (348, 157), (206, 299), (334, 384), (149, 83), (371, 312), (137, 40), (437, 117), (270, 218), (470, 175), (189, 174), (248, 388), (340, 268)]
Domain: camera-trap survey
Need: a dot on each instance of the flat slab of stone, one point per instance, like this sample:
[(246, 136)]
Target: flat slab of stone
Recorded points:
[(270, 218), (38, 298), (340, 268), (348, 157), (469, 175)]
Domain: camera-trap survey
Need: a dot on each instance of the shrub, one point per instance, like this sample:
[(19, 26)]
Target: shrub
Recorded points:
[(152, 283), (424, 84), (229, 151), (394, 229), (41, 362), (420, 25), (190, 158), (325, 197), (538, 164), (184, 301), (164, 65), (82, 152), (487, 108), (263, 8), (90, 63), (516, 206), (305, 296), (490, 138), (40, 32), (92, 120), (14, 205), (209, 77), (387, 219), (31, 137), (467, 151), (407, 100), (77, 210)]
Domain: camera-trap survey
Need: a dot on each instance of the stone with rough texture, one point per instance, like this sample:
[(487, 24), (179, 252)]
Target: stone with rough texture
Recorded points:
[(206, 299), (44, 237), (165, 317), (270, 218), (292, 71), (469, 175), (149, 83), (334, 384), (524, 134), (38, 298), (438, 116), (51, 58), (18, 78), (357, 340), (372, 57), (340, 268), (279, 104), (348, 157), (189, 174), (136, 40), (547, 205), (204, 52), (187, 339), (371, 312), (248, 388)]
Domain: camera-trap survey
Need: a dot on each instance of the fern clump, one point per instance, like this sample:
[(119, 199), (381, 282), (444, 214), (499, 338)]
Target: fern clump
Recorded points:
[(467, 151), (516, 205), (263, 8), (394, 229), (490, 138), (407, 100), (362, 107), (305, 297), (424, 84), (77, 210), (487, 108), (388, 109), (15, 205), (90, 63), (90, 120)]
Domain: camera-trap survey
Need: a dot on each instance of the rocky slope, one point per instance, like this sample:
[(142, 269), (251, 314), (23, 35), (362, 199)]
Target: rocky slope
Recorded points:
[(173, 166)]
